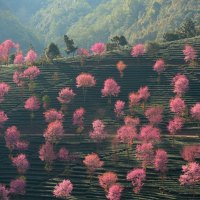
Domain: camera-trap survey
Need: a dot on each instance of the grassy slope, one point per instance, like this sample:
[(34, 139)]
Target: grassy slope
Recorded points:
[(138, 73)]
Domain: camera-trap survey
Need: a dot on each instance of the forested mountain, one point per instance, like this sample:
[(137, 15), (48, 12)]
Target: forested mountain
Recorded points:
[(87, 21)]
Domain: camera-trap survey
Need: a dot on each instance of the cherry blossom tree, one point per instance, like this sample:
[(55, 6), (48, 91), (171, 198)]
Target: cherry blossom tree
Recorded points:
[(154, 114), (63, 154), (191, 175), (137, 177), (22, 145), (134, 100), (32, 72), (175, 125), (47, 154), (114, 192), (189, 53), (4, 89), (78, 117), (12, 136), (149, 134), (53, 115), (17, 187), (54, 132), (177, 106), (130, 121), (32, 104), (92, 163), (144, 94), (31, 57), (121, 66), (159, 67), (98, 48), (98, 134), (195, 112), (19, 59), (3, 118), (107, 180), (138, 50), (160, 161), (119, 108), (63, 189), (191, 152), (18, 79), (145, 153), (111, 88), (181, 84), (21, 163), (85, 80), (4, 192)]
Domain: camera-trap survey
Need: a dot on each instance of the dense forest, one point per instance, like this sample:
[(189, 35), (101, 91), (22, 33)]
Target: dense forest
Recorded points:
[(41, 22)]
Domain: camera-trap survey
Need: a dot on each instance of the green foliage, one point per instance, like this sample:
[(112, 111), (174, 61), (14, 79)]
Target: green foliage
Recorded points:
[(70, 45), (153, 48), (52, 51), (11, 58)]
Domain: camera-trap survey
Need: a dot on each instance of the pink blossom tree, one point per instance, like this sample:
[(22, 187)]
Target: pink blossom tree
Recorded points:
[(32, 104), (134, 100), (92, 163), (98, 48), (144, 94), (47, 154), (121, 66), (12, 136), (175, 125), (63, 154), (63, 190), (181, 84), (19, 59), (111, 88), (17, 187), (138, 50), (149, 134), (114, 192), (3, 118), (98, 134), (31, 57), (159, 67), (177, 106), (83, 53), (107, 180), (160, 161), (4, 89), (154, 114), (22, 145), (18, 79), (53, 115), (191, 152), (85, 80), (189, 53), (32, 72), (21, 163), (130, 121), (4, 192), (119, 108), (191, 175), (195, 112), (137, 177), (54, 132), (78, 117), (66, 95), (145, 153)]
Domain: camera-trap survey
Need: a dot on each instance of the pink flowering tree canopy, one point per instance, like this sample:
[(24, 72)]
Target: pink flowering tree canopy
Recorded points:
[(119, 108), (92, 162), (189, 53), (177, 106), (98, 48), (98, 133), (78, 117), (31, 56), (4, 89), (195, 111), (175, 125), (63, 190), (191, 174), (138, 50), (85, 80), (18, 187), (107, 180), (159, 66), (21, 163), (114, 192), (154, 114), (32, 104), (137, 177), (66, 95), (53, 115), (31, 72)]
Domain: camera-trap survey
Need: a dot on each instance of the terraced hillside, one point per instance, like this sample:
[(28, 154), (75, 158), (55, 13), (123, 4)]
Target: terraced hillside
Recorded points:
[(138, 73)]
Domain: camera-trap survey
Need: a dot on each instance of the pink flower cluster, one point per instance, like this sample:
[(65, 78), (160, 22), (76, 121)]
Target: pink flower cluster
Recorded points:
[(53, 115), (189, 53), (138, 50), (111, 88), (66, 95), (119, 108), (31, 56), (4, 89), (31, 72), (78, 117), (21, 163), (32, 103), (154, 115), (98, 48), (159, 66)]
